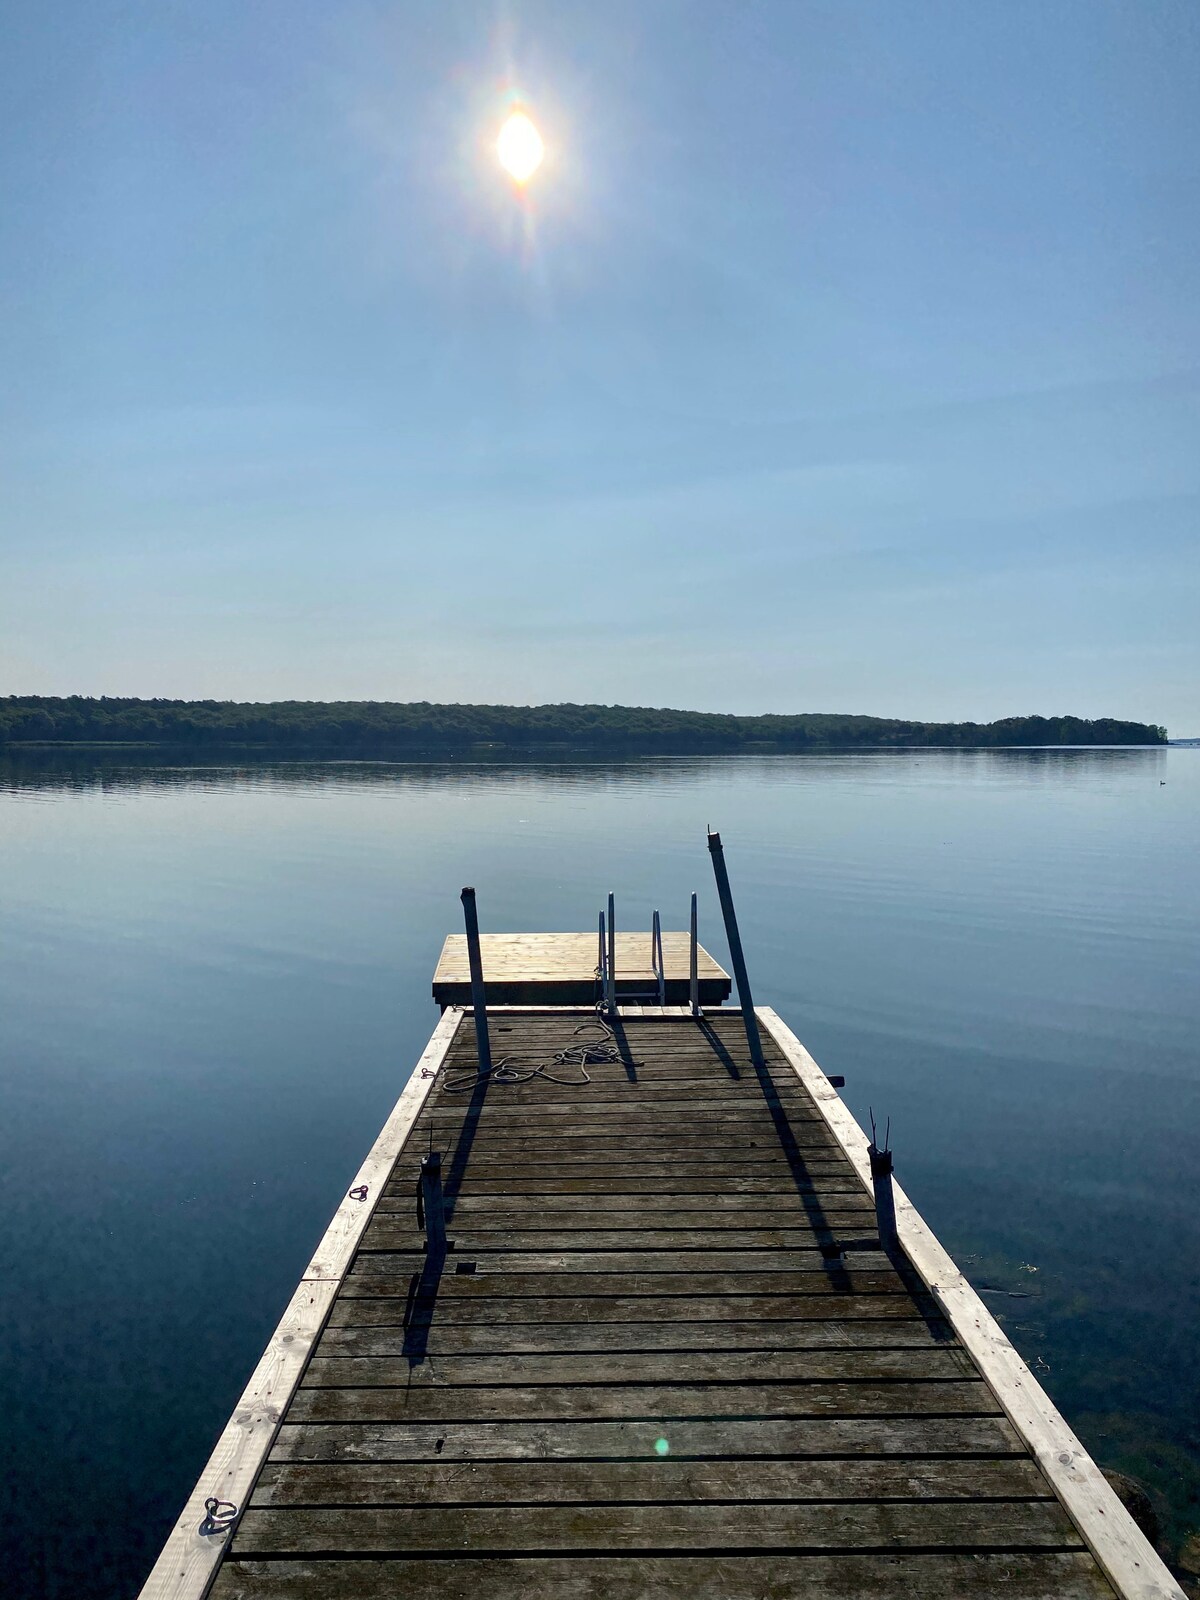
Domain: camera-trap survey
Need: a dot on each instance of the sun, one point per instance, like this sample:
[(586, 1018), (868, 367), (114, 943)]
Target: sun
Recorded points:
[(520, 148)]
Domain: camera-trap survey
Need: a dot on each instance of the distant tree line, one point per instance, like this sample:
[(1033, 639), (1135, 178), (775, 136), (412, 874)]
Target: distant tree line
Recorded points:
[(385, 727)]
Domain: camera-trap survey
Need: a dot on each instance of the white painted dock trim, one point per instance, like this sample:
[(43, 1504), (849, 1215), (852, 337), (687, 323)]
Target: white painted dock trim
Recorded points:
[(189, 1560), (1124, 1554)]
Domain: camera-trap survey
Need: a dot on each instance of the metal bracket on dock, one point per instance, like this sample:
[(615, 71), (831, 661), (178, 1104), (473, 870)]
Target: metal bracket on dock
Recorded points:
[(885, 1203)]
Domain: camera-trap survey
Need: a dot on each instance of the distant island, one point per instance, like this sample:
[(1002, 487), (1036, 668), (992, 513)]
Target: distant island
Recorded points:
[(388, 728)]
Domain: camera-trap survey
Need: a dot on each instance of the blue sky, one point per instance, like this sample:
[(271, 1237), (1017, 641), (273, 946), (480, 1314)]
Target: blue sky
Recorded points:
[(844, 357)]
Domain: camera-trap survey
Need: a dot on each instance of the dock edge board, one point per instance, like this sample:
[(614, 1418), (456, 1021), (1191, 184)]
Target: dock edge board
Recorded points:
[(568, 993), (188, 1562), (1123, 1553)]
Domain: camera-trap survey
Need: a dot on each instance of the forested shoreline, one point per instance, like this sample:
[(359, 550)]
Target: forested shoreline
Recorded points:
[(389, 727)]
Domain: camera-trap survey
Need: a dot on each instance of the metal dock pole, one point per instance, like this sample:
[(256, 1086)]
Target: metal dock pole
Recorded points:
[(611, 996), (694, 966), (431, 1209), (741, 977), (478, 992)]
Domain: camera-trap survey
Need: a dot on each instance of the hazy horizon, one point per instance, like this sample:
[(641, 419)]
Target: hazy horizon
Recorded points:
[(839, 357)]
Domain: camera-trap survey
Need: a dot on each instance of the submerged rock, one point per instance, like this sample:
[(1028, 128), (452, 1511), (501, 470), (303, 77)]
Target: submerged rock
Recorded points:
[(1136, 1501)]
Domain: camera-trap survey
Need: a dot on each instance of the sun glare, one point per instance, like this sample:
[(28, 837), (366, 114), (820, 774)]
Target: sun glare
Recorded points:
[(520, 148)]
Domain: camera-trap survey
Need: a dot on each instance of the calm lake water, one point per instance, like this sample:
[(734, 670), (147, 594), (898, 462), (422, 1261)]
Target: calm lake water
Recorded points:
[(215, 981)]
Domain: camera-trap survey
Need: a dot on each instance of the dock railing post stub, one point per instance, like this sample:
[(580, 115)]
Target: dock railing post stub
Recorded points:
[(740, 975), (478, 991), (885, 1204)]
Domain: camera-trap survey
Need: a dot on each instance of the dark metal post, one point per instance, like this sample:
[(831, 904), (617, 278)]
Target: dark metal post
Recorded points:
[(608, 995), (478, 992), (431, 1209), (885, 1202), (741, 977), (612, 955), (694, 967)]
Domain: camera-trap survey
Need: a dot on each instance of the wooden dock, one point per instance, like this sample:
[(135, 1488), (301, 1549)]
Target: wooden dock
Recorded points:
[(561, 969), (664, 1355)]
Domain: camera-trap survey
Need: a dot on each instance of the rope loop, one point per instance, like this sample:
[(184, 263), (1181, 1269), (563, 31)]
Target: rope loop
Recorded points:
[(577, 1057), (218, 1515)]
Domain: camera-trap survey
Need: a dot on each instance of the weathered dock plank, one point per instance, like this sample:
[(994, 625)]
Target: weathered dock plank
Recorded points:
[(612, 1212), (794, 1174), (719, 1307), (636, 1439), (472, 1292), (691, 1178), (780, 1576), (536, 1483), (574, 1211), (615, 1250), (339, 1369), (996, 1525), (369, 1335), (665, 1402)]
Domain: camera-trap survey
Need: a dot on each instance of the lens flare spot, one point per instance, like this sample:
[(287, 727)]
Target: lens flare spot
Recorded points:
[(662, 1446), (520, 148)]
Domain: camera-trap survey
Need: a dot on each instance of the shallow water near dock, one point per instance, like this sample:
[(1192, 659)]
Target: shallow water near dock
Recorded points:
[(215, 980)]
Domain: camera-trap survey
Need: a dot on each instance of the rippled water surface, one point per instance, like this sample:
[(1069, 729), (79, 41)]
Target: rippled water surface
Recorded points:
[(216, 979)]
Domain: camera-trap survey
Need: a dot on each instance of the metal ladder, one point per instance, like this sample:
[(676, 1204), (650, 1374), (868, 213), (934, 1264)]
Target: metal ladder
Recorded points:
[(606, 964)]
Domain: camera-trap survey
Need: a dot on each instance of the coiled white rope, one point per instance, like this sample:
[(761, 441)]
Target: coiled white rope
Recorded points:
[(590, 1052)]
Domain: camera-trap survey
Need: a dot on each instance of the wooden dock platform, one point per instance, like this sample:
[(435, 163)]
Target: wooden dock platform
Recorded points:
[(560, 969), (665, 1356)]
